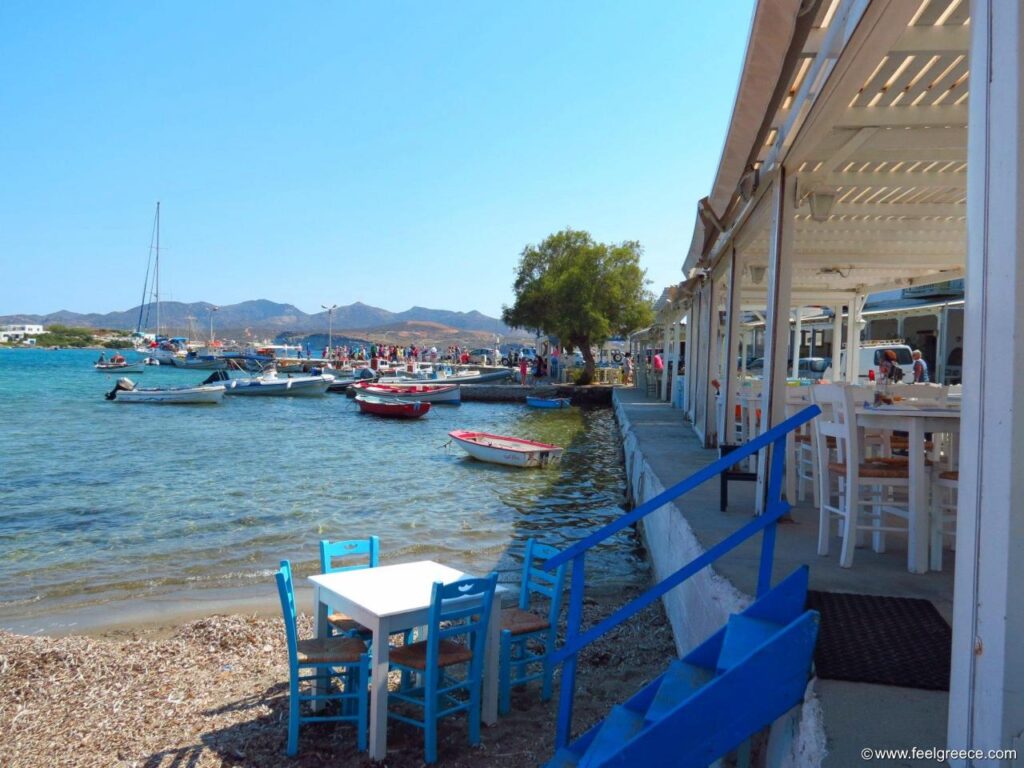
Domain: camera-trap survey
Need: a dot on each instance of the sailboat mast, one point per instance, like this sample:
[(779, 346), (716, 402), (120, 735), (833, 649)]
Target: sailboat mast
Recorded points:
[(156, 281)]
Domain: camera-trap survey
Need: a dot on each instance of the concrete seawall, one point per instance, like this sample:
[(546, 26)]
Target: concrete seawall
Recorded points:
[(516, 393)]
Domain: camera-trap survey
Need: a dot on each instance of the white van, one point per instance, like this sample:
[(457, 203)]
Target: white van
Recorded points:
[(872, 353)]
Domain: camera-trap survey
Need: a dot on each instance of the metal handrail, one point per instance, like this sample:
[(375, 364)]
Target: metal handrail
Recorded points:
[(775, 508)]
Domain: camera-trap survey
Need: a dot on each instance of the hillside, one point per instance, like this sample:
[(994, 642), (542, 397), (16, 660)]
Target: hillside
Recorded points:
[(262, 317)]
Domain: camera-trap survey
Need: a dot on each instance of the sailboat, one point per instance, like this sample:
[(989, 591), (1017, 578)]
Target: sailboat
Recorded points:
[(161, 350)]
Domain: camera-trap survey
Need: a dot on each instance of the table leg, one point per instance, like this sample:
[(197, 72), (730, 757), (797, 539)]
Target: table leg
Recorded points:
[(917, 543), (320, 631), (491, 660), (379, 690)]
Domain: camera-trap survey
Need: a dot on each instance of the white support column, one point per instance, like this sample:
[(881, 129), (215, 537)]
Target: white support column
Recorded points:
[(776, 336), (689, 364), (797, 333), (853, 326), (837, 342), (732, 334), (674, 394), (714, 357), (986, 696), (665, 359), (705, 392), (939, 371)]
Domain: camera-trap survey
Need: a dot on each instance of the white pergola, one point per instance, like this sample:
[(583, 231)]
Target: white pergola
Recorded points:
[(844, 173)]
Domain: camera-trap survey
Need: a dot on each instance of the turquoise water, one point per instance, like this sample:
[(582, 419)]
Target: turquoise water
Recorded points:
[(106, 505)]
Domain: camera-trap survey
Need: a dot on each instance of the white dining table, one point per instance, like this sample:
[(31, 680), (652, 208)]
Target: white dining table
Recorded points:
[(915, 421), (393, 598)]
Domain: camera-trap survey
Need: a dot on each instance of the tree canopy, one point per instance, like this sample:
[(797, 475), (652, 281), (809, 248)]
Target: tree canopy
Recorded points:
[(580, 290)]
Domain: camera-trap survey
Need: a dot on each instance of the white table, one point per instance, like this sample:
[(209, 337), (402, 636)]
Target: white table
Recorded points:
[(390, 599), (915, 421)]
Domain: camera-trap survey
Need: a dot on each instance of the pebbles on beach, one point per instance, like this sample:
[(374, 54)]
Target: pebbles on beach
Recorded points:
[(214, 693)]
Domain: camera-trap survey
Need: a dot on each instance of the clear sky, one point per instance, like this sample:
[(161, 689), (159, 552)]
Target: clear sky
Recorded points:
[(395, 153)]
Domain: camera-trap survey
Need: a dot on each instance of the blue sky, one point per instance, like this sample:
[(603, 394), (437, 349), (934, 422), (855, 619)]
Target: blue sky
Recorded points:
[(395, 153)]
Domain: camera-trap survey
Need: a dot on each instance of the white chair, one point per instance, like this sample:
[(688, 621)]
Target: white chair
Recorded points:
[(851, 472), (945, 486), (930, 394), (800, 456)]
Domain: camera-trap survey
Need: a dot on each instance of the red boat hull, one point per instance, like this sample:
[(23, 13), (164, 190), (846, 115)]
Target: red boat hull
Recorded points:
[(394, 410)]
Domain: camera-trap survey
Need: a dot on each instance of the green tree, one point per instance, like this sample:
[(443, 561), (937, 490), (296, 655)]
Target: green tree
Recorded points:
[(581, 291)]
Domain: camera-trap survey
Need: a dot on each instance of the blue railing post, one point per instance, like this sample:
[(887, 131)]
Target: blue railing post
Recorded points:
[(567, 691), (775, 471)]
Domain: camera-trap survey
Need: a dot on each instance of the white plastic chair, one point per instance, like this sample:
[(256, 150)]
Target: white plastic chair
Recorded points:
[(851, 471), (945, 486)]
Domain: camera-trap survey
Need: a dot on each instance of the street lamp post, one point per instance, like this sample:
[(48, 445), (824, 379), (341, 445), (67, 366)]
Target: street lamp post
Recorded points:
[(330, 325), (212, 310)]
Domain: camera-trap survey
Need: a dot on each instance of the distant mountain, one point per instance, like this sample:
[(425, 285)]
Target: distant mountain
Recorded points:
[(263, 317)]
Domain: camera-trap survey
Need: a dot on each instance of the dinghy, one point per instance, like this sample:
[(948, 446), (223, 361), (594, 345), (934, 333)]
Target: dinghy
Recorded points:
[(392, 407), (502, 449), (547, 402), (125, 391)]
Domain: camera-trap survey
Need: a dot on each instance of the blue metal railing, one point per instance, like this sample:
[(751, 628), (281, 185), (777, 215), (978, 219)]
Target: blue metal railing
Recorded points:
[(775, 508)]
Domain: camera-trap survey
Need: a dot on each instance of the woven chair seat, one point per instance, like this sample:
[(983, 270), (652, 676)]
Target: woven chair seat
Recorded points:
[(328, 649), (415, 654), (952, 475), (519, 622), (875, 469), (344, 623), (829, 440)]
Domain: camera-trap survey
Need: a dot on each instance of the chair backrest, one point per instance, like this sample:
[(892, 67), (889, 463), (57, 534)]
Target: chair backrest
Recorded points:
[(339, 555), (462, 608), (836, 420), (536, 579), (286, 591)]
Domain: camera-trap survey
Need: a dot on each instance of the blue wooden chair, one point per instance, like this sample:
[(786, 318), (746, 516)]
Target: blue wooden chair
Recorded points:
[(347, 555), (341, 658), (521, 628), (458, 610)]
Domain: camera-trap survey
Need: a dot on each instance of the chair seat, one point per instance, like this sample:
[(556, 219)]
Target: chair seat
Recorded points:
[(344, 623), (330, 649), (901, 443), (952, 475), (415, 654), (520, 622), (875, 469)]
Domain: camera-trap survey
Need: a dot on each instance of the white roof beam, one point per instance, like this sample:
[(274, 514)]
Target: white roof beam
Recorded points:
[(892, 228), (910, 210), (893, 179), (906, 117), (914, 41)]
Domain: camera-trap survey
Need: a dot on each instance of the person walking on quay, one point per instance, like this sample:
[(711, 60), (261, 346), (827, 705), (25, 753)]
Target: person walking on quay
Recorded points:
[(920, 368), (627, 368), (524, 368)]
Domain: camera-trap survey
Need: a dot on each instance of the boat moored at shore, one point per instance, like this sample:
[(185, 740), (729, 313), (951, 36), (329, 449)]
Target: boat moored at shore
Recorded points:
[(509, 451)]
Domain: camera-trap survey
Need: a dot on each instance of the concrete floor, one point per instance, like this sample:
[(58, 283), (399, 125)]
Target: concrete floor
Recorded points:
[(856, 715)]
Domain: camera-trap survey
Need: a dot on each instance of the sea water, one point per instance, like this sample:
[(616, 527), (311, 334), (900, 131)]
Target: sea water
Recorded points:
[(107, 506)]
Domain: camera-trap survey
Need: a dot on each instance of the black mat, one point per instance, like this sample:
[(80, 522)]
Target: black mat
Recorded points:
[(885, 640)]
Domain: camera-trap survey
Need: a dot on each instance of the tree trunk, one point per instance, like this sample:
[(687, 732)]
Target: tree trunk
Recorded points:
[(589, 364)]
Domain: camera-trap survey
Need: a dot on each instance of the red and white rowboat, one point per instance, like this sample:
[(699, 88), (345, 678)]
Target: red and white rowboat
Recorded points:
[(396, 409), (439, 393), (510, 451)]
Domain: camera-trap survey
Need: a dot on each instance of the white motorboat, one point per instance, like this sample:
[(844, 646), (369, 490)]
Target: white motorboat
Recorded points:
[(125, 391), (119, 367), (270, 384), (510, 451)]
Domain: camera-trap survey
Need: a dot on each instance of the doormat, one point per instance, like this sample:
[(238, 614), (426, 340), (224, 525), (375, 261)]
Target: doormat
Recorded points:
[(884, 640)]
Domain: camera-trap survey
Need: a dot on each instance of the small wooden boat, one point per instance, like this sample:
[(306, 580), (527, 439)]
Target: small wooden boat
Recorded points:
[(125, 391), (392, 407), (510, 451), (428, 393), (121, 367), (547, 402)]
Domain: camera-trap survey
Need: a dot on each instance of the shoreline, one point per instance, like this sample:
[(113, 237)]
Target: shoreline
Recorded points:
[(212, 692)]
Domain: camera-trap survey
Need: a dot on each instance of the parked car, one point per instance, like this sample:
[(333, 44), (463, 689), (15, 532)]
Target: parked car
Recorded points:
[(810, 367), (481, 356), (871, 355)]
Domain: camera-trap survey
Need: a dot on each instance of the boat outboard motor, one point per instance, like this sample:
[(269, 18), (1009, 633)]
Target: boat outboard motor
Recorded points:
[(123, 385), (364, 373), (215, 377)]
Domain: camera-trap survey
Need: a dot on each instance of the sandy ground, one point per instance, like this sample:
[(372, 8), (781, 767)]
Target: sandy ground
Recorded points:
[(213, 692)]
